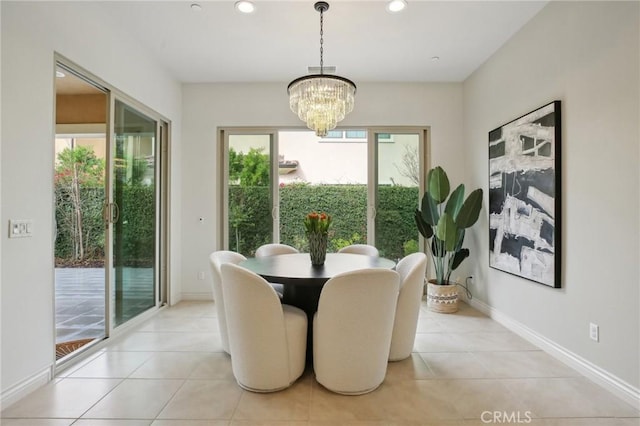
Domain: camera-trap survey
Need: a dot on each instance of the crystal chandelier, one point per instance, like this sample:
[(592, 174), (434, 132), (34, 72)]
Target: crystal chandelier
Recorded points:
[(321, 100)]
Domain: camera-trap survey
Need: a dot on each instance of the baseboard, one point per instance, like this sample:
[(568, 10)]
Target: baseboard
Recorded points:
[(610, 382), (25, 387), (197, 296)]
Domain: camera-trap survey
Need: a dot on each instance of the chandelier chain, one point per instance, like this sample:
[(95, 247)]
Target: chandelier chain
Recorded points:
[(321, 41)]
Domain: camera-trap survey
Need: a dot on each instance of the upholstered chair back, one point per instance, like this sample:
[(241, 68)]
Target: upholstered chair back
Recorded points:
[(216, 259), (412, 269)]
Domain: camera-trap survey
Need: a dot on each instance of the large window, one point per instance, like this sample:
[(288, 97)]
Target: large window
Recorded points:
[(272, 179)]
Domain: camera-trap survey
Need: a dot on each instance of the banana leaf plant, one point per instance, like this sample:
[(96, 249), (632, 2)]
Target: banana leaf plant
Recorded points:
[(442, 221)]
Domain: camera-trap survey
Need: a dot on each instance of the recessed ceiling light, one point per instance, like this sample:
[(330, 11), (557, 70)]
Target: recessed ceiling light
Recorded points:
[(60, 74), (396, 5), (245, 6), (435, 58), (196, 7)]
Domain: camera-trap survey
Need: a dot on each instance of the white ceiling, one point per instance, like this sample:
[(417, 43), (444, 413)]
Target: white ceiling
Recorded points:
[(281, 39)]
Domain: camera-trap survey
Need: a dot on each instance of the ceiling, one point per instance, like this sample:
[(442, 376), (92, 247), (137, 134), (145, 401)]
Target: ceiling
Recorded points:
[(280, 39), (69, 84)]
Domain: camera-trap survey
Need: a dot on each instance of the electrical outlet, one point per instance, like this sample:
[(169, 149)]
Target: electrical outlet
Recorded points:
[(594, 332), (201, 275)]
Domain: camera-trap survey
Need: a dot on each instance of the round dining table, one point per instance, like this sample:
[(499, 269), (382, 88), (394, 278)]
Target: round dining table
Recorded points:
[(302, 281)]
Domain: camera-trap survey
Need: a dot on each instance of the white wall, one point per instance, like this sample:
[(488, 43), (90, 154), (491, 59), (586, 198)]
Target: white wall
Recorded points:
[(209, 106), (348, 159), (585, 54), (31, 32)]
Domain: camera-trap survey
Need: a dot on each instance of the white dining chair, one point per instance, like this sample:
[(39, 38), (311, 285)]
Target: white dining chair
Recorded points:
[(216, 259), (365, 249), (352, 330), (412, 269), (274, 249), (267, 339)]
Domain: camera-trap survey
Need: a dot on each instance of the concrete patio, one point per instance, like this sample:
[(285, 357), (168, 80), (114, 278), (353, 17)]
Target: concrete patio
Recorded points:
[(80, 300)]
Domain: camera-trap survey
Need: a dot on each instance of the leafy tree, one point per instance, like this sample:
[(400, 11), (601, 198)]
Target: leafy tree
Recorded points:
[(250, 169), (80, 162), (255, 168), (235, 165), (77, 168)]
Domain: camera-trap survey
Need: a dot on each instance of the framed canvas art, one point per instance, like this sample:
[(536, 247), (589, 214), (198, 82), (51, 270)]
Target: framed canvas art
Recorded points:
[(524, 196)]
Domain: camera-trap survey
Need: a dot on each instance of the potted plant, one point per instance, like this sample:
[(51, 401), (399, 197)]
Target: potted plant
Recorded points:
[(442, 221)]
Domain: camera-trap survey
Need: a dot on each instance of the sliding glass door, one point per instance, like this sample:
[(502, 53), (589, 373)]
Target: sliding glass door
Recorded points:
[(368, 180), (326, 175), (251, 217), (111, 169), (134, 212), (398, 182), (80, 151)]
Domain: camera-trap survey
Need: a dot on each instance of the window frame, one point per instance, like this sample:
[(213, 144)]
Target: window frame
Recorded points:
[(423, 133)]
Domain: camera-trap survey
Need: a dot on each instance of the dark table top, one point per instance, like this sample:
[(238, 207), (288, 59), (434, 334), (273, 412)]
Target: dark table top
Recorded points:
[(296, 269)]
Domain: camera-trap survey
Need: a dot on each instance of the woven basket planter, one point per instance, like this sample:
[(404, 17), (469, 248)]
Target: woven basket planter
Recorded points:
[(442, 298)]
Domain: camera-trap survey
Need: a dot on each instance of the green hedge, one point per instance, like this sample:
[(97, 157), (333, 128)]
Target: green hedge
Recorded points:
[(250, 222), (250, 219), (345, 203), (137, 237), (396, 232), (396, 236)]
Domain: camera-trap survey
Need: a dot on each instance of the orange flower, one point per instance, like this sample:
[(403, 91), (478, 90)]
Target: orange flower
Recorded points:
[(317, 223)]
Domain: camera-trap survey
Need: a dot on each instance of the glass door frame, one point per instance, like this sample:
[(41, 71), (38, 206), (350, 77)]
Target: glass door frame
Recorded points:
[(161, 257), (162, 175), (223, 177), (79, 72), (372, 177), (424, 150)]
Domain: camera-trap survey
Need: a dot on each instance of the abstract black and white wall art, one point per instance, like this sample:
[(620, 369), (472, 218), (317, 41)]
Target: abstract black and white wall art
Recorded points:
[(524, 196)]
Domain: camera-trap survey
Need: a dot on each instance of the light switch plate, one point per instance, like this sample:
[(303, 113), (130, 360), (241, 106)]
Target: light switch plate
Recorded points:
[(20, 228)]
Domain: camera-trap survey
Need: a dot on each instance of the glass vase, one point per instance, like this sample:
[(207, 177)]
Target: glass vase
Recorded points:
[(317, 248)]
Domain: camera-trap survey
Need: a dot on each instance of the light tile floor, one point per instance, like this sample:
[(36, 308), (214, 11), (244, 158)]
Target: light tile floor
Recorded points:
[(172, 372)]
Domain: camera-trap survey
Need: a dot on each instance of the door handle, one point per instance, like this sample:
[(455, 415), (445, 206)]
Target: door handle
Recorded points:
[(115, 212), (106, 212), (110, 213)]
